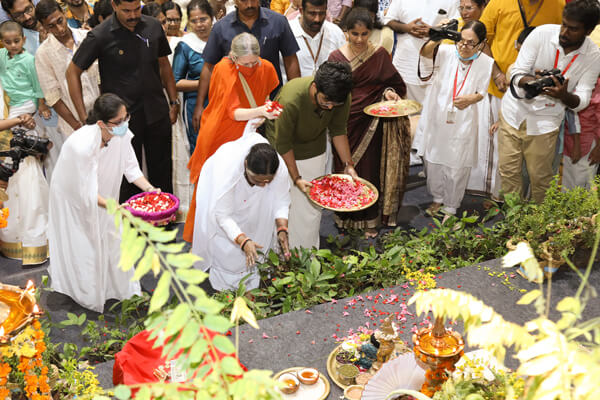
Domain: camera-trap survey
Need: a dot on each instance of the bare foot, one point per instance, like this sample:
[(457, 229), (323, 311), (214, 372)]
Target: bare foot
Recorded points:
[(433, 208), (371, 233)]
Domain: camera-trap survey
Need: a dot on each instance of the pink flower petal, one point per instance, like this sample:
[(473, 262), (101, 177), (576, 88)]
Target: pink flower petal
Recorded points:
[(265, 336)]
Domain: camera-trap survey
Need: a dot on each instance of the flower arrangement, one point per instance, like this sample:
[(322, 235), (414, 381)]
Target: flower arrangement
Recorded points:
[(21, 364)]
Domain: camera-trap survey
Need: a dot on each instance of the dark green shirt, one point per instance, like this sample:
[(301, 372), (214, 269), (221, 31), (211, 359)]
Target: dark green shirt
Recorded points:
[(302, 128)]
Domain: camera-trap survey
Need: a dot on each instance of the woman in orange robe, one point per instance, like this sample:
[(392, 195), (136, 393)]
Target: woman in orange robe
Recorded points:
[(231, 105)]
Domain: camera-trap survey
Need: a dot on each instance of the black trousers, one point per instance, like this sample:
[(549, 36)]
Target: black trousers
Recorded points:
[(156, 141)]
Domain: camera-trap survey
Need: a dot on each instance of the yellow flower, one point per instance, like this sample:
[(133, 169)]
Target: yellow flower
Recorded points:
[(27, 350)]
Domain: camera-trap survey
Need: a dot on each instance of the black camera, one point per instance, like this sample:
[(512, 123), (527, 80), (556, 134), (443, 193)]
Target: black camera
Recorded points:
[(535, 87), (447, 31), (21, 146)]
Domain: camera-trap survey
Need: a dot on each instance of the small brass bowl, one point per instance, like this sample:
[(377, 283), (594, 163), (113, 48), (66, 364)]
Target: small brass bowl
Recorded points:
[(347, 373), (354, 392), (291, 383), (308, 376)]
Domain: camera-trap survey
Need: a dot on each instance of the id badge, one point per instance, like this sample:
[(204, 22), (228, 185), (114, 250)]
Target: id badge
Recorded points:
[(451, 117)]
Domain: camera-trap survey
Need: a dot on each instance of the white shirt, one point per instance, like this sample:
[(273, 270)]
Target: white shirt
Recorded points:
[(543, 113), (51, 62), (408, 47), (331, 36)]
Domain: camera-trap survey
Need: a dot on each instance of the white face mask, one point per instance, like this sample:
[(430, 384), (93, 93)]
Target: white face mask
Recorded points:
[(121, 129)]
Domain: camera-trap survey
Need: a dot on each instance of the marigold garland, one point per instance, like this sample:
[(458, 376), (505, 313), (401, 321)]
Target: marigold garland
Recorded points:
[(3, 221), (29, 347)]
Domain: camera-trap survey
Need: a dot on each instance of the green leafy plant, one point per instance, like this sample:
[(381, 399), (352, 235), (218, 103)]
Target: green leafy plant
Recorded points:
[(558, 359), (77, 380), (185, 330)]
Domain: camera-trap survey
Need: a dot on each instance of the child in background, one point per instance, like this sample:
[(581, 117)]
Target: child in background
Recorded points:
[(24, 238), (17, 73)]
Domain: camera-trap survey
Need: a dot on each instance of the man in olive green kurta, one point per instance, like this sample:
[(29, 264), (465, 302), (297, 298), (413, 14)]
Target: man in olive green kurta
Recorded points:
[(311, 107)]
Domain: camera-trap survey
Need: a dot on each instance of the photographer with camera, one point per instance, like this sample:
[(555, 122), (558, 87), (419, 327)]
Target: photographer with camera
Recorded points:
[(556, 68), (411, 21), (24, 120), (450, 119)]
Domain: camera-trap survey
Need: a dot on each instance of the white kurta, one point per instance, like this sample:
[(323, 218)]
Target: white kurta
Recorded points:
[(227, 205), (84, 245), (24, 237), (453, 145)]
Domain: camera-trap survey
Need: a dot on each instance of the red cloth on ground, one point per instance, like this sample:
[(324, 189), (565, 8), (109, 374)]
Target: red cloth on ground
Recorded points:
[(136, 362)]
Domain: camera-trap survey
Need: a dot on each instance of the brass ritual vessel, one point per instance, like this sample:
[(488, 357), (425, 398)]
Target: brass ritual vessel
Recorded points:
[(18, 308), (437, 350)]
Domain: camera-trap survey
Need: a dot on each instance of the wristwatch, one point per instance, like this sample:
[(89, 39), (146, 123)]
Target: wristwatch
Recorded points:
[(174, 102)]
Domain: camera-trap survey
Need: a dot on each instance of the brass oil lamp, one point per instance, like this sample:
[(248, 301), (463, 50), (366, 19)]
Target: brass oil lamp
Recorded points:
[(18, 307), (436, 350)]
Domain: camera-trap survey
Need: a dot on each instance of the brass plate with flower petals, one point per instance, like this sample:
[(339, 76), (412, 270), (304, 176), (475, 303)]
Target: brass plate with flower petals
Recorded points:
[(393, 109), (359, 208)]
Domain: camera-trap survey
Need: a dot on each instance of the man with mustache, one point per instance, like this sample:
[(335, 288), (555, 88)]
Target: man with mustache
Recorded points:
[(529, 127), (78, 12), (132, 51), (23, 12), (315, 36), (274, 38)]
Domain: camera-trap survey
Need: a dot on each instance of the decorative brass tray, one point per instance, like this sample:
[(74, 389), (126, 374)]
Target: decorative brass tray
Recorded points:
[(17, 309), (332, 367), (302, 392), (361, 180), (394, 109)]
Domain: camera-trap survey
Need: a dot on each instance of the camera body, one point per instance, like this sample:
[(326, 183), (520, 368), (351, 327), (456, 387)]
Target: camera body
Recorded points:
[(447, 31), (21, 146), (535, 87)]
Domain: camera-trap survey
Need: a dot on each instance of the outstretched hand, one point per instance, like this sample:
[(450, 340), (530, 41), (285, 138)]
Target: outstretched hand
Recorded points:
[(250, 248)]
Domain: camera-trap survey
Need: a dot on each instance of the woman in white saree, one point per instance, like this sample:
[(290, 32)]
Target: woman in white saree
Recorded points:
[(242, 203), (84, 245)]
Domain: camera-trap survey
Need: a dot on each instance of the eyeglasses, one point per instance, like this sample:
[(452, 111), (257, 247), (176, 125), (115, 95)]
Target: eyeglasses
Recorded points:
[(28, 10), (467, 9), (127, 117), (467, 43), (173, 20)]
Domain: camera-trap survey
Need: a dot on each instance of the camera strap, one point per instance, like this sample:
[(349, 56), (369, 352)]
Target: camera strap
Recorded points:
[(564, 71), (527, 23), (511, 87), (428, 77)]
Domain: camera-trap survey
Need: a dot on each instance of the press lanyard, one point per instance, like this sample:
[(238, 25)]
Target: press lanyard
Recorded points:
[(315, 59), (454, 92), (568, 65)]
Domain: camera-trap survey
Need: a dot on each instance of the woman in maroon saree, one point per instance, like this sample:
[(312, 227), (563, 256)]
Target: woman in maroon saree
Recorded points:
[(380, 146)]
